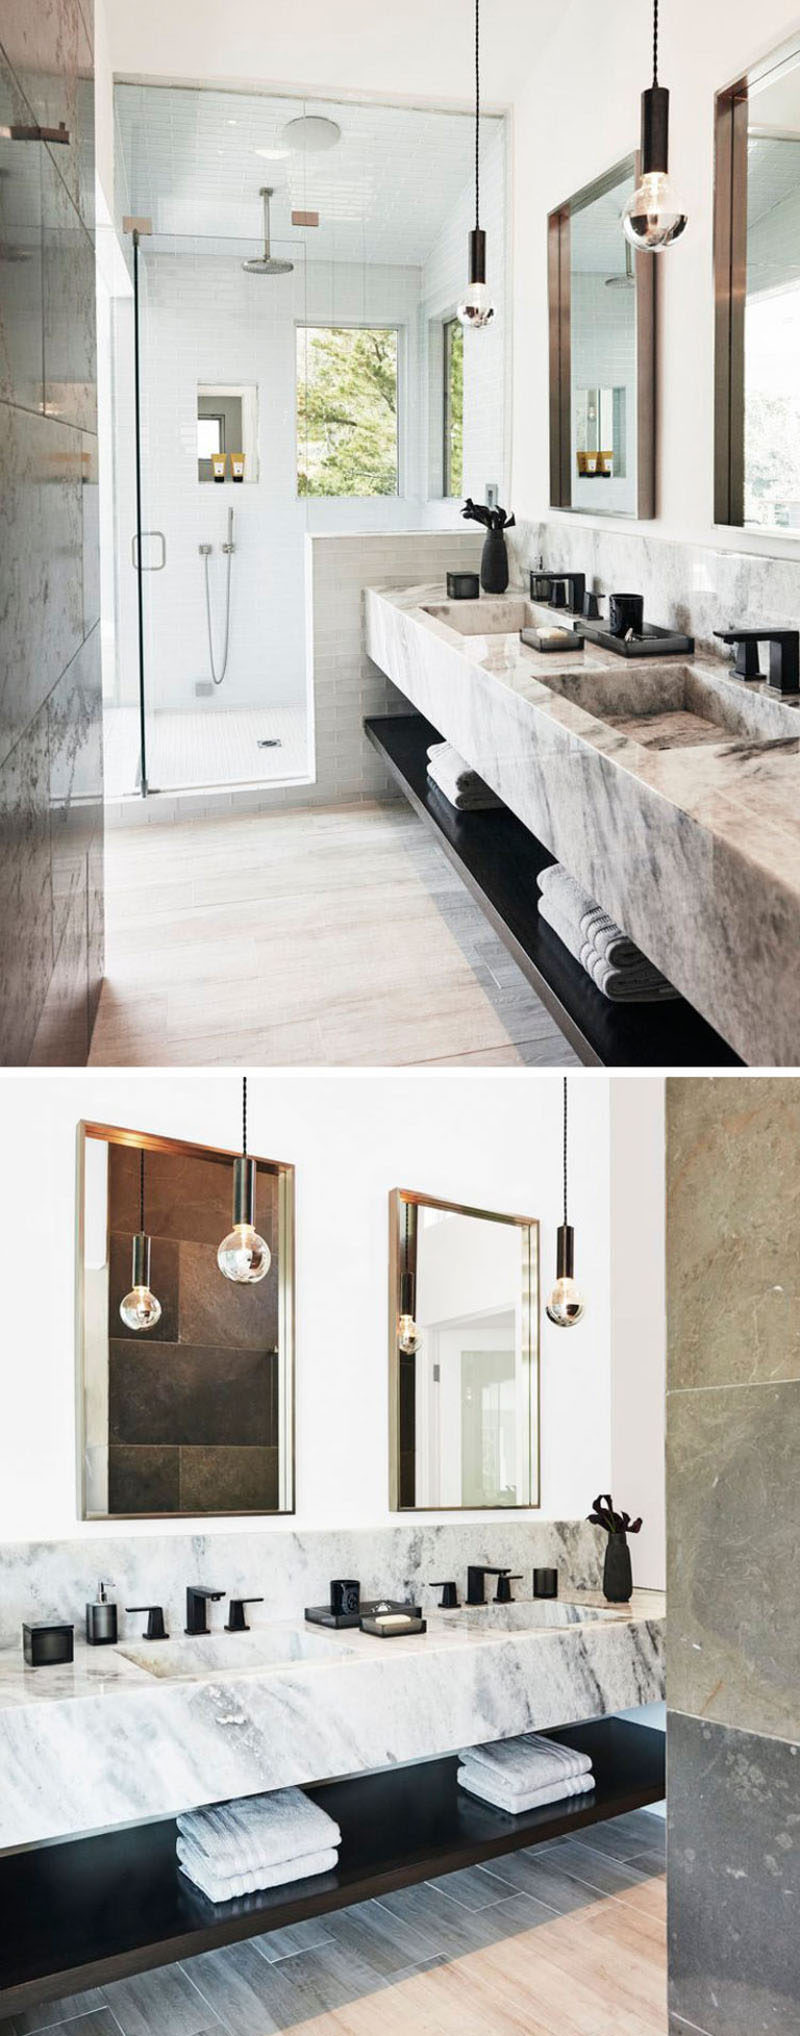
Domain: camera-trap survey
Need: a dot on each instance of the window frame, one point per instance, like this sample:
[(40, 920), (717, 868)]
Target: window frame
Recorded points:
[(355, 325)]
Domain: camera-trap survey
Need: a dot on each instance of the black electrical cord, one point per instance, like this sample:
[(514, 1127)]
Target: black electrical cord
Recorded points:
[(244, 1116), (655, 42), (141, 1187), (478, 114), (565, 1152)]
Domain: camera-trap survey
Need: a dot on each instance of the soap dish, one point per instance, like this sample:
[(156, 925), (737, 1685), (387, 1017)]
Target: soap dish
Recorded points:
[(321, 1615), (556, 641), (394, 1622)]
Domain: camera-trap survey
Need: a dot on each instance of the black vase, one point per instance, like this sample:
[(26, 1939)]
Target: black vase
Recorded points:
[(617, 1576), (494, 563)]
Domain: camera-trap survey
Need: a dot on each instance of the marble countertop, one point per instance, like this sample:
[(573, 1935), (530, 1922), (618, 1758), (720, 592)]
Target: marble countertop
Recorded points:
[(102, 1741), (693, 849)]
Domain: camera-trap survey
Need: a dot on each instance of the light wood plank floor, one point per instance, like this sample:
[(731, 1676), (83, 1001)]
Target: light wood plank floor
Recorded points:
[(566, 1939), (332, 937)]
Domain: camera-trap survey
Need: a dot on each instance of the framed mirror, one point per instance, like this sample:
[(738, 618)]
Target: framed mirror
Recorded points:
[(757, 297), (193, 1414), (463, 1356), (602, 355)]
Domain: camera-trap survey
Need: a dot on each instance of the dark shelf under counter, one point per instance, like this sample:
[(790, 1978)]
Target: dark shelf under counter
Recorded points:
[(499, 861), (90, 1910)]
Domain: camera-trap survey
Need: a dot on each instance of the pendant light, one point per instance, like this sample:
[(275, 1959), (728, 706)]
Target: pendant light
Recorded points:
[(653, 217), (243, 1256), (565, 1306), (476, 308), (408, 1336), (140, 1309)]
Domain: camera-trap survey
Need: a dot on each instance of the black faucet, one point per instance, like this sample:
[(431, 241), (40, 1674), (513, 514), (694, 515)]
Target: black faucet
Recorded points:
[(236, 1621), (477, 1573), (198, 1598), (784, 655), (155, 1628), (504, 1594)]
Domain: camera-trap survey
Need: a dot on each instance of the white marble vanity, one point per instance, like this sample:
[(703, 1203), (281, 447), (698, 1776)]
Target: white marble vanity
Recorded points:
[(669, 788), (143, 1730)]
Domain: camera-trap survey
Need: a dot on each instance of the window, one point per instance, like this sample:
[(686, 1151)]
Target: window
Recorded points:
[(210, 436), (347, 438), (453, 407)]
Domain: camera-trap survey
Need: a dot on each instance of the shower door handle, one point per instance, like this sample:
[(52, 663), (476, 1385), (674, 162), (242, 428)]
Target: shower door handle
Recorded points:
[(134, 557)]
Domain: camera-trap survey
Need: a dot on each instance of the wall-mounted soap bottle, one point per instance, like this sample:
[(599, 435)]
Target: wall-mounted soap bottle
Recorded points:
[(101, 1621)]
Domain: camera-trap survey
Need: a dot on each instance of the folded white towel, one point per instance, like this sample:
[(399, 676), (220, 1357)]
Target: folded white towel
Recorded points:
[(257, 1831), (227, 1887), (478, 1782), (527, 1762), (458, 782), (562, 890), (636, 983)]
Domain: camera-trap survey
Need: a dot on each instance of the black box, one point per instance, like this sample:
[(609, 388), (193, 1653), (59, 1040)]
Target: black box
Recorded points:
[(44, 1645), (463, 587)]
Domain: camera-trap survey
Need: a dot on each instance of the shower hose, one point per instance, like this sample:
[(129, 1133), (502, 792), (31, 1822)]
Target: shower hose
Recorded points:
[(219, 676)]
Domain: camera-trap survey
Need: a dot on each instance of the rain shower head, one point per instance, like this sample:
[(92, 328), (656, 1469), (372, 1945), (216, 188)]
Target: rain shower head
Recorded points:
[(267, 264)]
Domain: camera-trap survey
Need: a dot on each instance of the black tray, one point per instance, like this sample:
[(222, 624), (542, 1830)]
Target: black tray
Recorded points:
[(654, 642), (321, 1615)]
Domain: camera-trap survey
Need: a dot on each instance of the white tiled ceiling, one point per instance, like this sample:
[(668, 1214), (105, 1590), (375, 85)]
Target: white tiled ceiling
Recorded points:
[(383, 193)]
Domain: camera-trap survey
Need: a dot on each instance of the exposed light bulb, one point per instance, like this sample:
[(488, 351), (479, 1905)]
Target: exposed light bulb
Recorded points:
[(243, 1256), (476, 307), (140, 1308), (408, 1336), (565, 1306), (653, 218)]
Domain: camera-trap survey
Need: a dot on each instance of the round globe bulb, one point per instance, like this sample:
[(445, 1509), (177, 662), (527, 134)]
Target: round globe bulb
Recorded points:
[(243, 1256), (565, 1306), (653, 217), (476, 308), (140, 1309), (408, 1335)]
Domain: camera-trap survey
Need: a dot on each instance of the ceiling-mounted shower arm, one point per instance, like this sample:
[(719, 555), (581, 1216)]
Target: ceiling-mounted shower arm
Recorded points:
[(266, 192)]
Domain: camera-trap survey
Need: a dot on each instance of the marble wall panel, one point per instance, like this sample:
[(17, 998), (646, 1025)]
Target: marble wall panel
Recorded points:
[(41, 562), (62, 1028), (26, 896), (50, 52), (68, 271), (21, 371), (76, 777), (734, 1880)]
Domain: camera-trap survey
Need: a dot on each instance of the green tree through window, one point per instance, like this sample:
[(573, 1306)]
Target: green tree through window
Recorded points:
[(347, 410), (453, 407)]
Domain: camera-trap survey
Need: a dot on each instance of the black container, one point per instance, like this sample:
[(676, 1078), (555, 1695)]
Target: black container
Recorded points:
[(617, 1575), (494, 563), (463, 586), (345, 1597), (101, 1624), (626, 611), (541, 586), (558, 594), (545, 1583), (45, 1645)]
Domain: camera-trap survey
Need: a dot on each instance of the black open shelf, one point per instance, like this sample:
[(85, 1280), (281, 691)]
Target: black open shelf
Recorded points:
[(499, 860), (76, 1914)]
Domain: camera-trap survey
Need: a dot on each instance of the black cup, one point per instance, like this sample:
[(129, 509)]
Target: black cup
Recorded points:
[(626, 612), (545, 1583), (345, 1597)]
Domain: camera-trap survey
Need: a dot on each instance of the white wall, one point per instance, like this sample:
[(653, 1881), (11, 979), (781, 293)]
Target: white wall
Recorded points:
[(576, 114), (488, 1140), (638, 1315)]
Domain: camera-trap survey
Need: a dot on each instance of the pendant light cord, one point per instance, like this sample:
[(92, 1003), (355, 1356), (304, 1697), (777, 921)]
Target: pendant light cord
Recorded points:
[(655, 42), (565, 1151), (141, 1187), (244, 1116), (478, 114)]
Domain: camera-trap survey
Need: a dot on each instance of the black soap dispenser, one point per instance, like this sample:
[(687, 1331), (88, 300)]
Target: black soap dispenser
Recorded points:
[(101, 1621)]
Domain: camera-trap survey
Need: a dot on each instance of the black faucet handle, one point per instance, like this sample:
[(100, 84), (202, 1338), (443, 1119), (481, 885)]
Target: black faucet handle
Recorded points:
[(236, 1621), (746, 663), (449, 1598), (784, 655), (155, 1628), (504, 1594)]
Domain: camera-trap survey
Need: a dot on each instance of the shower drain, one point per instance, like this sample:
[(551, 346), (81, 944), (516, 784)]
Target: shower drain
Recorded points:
[(269, 742)]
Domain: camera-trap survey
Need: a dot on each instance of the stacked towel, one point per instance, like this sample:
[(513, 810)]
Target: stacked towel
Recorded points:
[(461, 786), (524, 1773), (615, 964), (235, 1848)]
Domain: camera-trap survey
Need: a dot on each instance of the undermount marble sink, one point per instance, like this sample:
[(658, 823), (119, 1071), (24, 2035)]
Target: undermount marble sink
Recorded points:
[(492, 615), (535, 1616), (677, 707), (228, 1653)]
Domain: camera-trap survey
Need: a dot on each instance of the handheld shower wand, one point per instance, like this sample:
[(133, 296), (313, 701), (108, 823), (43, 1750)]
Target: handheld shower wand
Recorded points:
[(228, 549)]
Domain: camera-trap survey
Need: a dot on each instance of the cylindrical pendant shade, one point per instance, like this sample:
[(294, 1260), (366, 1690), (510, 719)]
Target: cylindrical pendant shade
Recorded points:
[(655, 129), (140, 1276), (244, 1191), (565, 1252), (477, 255)]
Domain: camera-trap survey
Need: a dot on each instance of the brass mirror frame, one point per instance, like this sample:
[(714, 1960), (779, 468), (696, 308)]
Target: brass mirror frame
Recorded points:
[(398, 1197), (116, 1134), (731, 121), (559, 295)]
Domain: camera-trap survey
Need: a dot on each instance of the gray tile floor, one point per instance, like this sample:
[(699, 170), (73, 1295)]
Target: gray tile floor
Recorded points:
[(562, 1921)]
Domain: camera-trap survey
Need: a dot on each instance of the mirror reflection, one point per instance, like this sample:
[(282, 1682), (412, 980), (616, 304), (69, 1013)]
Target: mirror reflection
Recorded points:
[(185, 1377), (772, 314), (464, 1356), (603, 349)]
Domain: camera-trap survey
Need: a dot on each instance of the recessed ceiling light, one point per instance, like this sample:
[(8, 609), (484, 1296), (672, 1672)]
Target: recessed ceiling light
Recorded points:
[(311, 133), (273, 155)]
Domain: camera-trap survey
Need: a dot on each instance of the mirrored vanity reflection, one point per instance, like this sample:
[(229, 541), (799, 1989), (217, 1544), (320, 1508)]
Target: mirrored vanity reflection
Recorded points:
[(185, 1376), (602, 355), (463, 1356), (757, 282)]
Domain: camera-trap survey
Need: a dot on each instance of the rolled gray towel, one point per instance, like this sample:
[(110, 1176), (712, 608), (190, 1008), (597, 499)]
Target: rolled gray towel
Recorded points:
[(639, 983)]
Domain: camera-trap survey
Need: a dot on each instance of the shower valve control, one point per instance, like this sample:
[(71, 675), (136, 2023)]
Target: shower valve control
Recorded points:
[(205, 550)]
